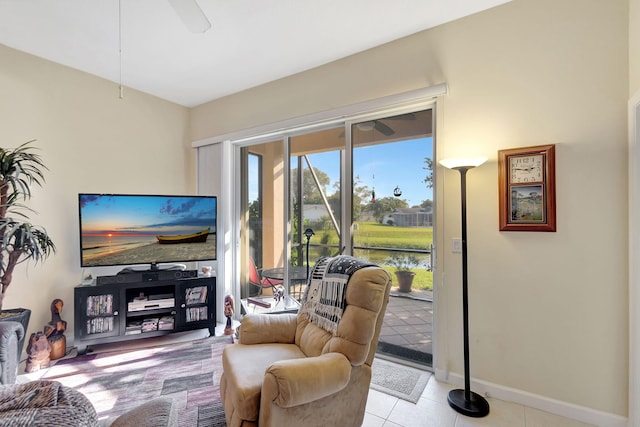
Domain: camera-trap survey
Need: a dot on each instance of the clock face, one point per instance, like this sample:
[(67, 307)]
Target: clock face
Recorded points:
[(525, 169)]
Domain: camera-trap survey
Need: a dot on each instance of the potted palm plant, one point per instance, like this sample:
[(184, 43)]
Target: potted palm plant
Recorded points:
[(20, 241), (404, 264)]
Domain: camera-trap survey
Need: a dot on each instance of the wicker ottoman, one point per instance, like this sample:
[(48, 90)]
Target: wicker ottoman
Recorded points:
[(45, 403)]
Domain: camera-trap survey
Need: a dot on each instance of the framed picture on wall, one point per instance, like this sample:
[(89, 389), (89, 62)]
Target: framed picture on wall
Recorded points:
[(527, 186)]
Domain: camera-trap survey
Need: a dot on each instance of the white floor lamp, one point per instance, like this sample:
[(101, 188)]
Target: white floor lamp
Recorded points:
[(465, 401)]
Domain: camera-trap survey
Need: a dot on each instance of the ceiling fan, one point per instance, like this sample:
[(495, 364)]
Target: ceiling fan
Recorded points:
[(377, 125), (381, 127), (191, 15)]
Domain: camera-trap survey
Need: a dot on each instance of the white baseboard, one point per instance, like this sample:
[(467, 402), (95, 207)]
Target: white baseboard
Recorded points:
[(543, 403)]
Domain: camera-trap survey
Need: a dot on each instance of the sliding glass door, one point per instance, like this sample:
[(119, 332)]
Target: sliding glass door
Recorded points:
[(392, 224), (360, 187)]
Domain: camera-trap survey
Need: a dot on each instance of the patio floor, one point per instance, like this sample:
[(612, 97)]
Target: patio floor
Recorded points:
[(408, 326)]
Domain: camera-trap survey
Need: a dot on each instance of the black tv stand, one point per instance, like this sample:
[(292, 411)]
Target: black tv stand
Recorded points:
[(115, 311)]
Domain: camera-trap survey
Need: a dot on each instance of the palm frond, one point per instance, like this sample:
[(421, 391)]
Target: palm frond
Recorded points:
[(20, 169), (32, 241)]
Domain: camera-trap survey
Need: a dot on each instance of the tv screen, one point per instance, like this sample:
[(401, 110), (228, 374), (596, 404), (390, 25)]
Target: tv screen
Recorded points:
[(130, 229)]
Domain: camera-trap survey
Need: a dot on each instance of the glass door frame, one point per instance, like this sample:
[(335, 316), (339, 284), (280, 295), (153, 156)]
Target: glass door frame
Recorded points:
[(346, 174), (426, 98), (347, 230)]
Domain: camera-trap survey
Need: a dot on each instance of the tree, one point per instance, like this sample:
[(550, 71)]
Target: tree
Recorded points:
[(254, 210), (428, 180), (19, 240), (360, 196), (386, 205), (426, 203), (310, 191)]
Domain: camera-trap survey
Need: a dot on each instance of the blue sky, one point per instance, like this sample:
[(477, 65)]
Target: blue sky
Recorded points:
[(381, 167), (145, 214), (384, 167)]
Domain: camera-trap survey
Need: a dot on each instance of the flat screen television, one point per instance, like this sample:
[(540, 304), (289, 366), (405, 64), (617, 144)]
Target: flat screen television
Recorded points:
[(132, 229)]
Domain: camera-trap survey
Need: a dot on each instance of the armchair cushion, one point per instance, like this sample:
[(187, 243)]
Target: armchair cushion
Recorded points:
[(354, 336), (244, 367)]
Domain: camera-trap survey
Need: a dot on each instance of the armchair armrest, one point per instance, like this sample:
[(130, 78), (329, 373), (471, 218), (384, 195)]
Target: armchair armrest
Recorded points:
[(268, 328), (294, 382)]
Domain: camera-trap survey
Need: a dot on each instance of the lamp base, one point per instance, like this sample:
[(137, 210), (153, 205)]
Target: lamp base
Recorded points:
[(477, 406)]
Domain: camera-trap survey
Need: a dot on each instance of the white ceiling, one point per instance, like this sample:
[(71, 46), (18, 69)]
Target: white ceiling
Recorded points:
[(250, 43)]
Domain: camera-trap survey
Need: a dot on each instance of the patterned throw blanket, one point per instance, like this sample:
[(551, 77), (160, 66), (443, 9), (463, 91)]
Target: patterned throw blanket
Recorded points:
[(324, 298)]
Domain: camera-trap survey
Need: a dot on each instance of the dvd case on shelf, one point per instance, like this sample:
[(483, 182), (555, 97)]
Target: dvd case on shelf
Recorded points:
[(99, 305), (133, 327), (150, 324), (99, 325), (195, 314), (166, 323), (196, 295)]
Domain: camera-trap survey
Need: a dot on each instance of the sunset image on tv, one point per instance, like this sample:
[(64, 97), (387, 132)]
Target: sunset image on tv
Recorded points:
[(145, 229)]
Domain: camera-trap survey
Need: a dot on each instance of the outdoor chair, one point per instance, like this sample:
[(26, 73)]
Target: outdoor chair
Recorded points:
[(259, 283)]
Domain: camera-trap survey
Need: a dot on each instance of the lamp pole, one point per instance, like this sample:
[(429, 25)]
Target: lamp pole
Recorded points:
[(466, 401), (308, 233)]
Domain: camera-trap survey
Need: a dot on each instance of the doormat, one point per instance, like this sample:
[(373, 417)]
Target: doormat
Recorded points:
[(401, 381)]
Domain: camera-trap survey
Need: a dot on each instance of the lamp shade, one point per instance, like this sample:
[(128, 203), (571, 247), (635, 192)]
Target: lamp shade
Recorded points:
[(463, 162)]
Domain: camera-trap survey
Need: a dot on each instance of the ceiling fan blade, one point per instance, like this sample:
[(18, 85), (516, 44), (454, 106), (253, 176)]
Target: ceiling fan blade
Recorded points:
[(191, 15), (406, 116), (383, 129)]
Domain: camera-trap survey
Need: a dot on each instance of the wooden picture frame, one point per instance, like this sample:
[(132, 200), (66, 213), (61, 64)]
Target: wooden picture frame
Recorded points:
[(527, 188)]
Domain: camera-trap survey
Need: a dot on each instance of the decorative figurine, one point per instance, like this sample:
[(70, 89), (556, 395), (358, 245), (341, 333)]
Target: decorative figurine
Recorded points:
[(278, 294), (55, 329), (38, 353), (229, 305)]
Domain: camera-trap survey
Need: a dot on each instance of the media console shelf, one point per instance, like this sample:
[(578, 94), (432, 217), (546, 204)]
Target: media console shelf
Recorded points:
[(124, 311)]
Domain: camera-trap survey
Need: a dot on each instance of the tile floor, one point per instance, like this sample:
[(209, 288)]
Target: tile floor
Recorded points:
[(432, 409), (409, 323)]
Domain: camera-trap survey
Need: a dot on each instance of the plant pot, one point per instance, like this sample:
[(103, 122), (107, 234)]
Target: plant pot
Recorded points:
[(405, 280), (20, 315)]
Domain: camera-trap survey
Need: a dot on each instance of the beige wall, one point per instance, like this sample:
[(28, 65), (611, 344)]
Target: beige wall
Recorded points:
[(91, 141), (634, 46), (548, 310)]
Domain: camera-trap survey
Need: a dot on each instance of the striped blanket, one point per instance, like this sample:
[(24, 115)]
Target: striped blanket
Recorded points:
[(324, 298)]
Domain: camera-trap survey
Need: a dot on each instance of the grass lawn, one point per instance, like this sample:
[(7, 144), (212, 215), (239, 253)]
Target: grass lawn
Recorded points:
[(423, 279), (372, 234), (389, 236)]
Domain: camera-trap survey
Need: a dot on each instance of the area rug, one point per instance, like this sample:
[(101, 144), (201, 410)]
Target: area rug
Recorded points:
[(401, 381), (117, 381)]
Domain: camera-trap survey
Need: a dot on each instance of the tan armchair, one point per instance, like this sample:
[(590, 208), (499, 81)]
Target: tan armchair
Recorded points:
[(290, 370)]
